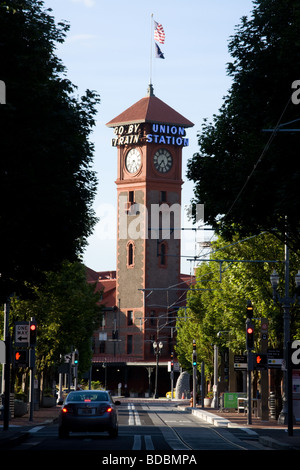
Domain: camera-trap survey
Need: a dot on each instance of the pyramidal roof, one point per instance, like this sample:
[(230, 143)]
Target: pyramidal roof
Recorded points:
[(150, 109)]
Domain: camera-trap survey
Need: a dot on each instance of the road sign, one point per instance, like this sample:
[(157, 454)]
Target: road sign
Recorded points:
[(21, 333), (240, 362), (275, 358)]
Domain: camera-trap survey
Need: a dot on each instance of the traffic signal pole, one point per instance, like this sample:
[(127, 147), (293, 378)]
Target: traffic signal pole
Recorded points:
[(6, 366), (194, 360), (249, 346), (32, 344)]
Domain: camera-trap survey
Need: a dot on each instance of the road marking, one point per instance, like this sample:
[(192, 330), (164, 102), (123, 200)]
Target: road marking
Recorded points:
[(133, 418), (149, 443), (36, 429), (137, 442)]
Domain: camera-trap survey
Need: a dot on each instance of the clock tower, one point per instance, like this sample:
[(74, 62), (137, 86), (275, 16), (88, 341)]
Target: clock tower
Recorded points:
[(149, 137)]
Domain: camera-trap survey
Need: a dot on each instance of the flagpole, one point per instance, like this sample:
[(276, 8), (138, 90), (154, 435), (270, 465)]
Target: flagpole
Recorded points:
[(151, 47)]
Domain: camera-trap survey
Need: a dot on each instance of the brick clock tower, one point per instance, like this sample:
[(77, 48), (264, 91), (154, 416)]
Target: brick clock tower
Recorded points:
[(149, 137)]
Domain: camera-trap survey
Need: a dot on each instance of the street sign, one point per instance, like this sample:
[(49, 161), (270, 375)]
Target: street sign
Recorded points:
[(275, 358), (21, 333), (2, 352), (240, 361)]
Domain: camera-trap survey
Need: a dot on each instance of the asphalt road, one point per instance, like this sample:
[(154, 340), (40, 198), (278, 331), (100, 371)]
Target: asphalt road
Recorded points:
[(144, 427)]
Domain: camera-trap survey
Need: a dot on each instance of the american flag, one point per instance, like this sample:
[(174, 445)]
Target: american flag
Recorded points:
[(159, 34)]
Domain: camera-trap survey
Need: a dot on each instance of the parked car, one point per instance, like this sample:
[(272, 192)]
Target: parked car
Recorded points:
[(169, 394), (88, 410)]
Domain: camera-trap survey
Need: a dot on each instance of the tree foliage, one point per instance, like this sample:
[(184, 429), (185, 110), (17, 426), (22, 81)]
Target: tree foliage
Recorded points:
[(47, 184), (248, 179), (67, 312), (227, 286)]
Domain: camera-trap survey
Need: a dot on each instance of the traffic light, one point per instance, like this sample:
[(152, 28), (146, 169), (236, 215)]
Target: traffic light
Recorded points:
[(261, 361), (250, 336), (194, 354), (249, 309), (21, 358), (75, 357), (32, 332), (172, 361)]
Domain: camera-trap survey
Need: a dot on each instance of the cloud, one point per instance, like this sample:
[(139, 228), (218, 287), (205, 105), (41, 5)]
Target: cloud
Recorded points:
[(86, 3), (83, 38)]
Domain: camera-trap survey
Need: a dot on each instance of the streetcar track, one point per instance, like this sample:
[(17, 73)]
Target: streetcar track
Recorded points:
[(186, 444)]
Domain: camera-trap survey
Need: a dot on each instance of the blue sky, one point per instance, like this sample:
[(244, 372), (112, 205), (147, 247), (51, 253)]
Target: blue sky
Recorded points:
[(108, 50)]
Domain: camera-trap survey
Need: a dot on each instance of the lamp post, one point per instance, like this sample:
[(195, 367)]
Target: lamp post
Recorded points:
[(286, 302), (157, 347)]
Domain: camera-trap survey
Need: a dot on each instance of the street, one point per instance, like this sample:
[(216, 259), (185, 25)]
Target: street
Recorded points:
[(145, 427)]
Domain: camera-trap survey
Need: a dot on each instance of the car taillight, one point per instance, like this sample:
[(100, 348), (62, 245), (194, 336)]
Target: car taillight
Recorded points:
[(66, 409), (109, 409)]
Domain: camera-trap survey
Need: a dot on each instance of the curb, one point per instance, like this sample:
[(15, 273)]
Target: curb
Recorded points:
[(223, 422), (9, 442), (270, 442)]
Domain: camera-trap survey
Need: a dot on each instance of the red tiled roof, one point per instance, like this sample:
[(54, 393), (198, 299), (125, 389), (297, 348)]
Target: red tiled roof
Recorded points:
[(150, 109)]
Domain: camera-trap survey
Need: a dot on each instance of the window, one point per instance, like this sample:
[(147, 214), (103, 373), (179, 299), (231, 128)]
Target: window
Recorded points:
[(163, 196), (129, 344), (130, 254), (131, 197), (152, 317), (129, 318), (163, 254)]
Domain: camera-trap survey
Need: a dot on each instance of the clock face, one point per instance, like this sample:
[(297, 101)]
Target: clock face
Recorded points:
[(133, 161), (162, 160)]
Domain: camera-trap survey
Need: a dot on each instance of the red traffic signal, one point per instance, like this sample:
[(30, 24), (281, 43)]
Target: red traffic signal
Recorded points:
[(21, 358), (32, 332), (261, 361), (250, 336)]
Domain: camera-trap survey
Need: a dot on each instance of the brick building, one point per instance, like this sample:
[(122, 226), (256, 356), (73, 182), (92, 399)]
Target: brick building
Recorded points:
[(142, 296)]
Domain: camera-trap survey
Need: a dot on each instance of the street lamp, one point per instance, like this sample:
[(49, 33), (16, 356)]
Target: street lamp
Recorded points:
[(157, 347), (286, 302)]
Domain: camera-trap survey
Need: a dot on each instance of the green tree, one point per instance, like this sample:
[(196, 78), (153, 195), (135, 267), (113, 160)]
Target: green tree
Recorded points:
[(248, 179), (67, 312), (47, 185), (217, 302)]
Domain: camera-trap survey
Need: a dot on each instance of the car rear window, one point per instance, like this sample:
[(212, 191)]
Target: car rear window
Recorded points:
[(88, 396)]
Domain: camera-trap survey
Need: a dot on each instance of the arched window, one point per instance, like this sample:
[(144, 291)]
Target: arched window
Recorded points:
[(163, 254), (130, 254)]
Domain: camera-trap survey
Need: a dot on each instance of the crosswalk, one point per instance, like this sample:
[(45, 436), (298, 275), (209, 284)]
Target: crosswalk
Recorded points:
[(134, 420), (133, 417)]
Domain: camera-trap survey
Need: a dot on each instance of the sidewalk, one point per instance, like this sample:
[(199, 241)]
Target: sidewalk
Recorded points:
[(19, 426), (269, 433)]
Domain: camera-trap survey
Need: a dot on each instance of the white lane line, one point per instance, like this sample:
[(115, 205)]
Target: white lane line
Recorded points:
[(36, 429), (137, 442), (133, 418), (148, 442)]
